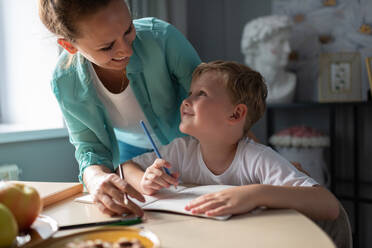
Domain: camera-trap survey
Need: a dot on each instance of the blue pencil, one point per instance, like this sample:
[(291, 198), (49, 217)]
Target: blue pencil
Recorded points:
[(153, 145)]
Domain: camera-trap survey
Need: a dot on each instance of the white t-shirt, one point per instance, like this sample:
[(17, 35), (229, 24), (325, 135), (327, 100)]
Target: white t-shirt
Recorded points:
[(125, 114), (253, 164)]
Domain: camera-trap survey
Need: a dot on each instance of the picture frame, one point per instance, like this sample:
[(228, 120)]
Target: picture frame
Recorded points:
[(368, 61), (340, 77)]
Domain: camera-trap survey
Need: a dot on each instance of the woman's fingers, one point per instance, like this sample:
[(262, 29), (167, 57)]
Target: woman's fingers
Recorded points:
[(103, 209), (134, 208), (110, 205), (123, 186)]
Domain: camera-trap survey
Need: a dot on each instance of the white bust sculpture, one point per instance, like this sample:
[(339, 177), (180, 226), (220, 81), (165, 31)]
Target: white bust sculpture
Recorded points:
[(265, 45)]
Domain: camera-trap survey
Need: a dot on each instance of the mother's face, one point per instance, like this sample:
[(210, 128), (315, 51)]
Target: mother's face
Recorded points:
[(107, 36), (274, 51)]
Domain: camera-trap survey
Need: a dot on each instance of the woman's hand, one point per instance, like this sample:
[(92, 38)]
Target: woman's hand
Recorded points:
[(236, 200), (155, 177), (108, 190)]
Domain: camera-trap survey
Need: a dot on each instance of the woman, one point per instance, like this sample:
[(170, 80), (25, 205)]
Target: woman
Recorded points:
[(114, 72)]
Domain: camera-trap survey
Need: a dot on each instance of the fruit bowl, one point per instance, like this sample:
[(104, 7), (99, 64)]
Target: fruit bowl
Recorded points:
[(105, 234), (42, 228)]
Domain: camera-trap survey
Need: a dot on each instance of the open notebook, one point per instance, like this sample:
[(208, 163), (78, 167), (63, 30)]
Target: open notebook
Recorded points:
[(172, 199)]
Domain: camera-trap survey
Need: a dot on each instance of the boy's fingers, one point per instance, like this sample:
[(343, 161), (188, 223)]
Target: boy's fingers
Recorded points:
[(222, 210), (206, 207), (170, 179), (161, 163), (199, 201), (155, 171), (152, 184), (160, 181)]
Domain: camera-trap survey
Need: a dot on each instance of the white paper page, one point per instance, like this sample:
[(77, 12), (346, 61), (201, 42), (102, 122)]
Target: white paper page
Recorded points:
[(162, 194), (169, 200), (172, 199)]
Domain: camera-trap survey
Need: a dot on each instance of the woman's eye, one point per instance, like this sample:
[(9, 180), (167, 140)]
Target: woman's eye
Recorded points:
[(129, 29), (108, 47)]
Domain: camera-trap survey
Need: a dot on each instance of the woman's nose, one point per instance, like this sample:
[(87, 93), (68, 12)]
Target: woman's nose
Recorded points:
[(124, 48)]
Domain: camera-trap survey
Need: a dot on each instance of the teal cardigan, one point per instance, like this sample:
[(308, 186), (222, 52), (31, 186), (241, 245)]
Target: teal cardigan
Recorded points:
[(159, 71)]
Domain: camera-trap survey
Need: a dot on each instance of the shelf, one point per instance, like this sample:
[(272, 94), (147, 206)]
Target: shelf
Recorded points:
[(316, 104)]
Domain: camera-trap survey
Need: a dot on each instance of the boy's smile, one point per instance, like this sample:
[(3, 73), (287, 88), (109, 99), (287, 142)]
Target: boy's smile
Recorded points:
[(207, 108)]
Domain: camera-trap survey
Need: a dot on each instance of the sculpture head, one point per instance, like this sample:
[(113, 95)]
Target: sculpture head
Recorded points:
[(265, 41)]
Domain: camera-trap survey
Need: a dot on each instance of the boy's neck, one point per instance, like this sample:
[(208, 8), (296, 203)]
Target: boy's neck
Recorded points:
[(218, 156)]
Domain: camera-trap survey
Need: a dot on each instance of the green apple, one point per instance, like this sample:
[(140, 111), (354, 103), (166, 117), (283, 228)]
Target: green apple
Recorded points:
[(23, 201), (8, 227)]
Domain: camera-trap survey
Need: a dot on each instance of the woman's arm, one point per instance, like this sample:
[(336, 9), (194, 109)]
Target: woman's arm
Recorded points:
[(108, 190)]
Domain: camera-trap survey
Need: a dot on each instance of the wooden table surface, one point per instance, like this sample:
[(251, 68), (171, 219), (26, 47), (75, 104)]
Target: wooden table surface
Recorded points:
[(269, 228)]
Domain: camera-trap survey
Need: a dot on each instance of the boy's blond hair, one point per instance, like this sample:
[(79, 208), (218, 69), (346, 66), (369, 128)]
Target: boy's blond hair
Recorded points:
[(244, 85)]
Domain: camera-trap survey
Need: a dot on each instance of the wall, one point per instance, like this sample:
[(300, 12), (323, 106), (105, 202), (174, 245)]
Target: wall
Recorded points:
[(215, 31), (215, 27), (42, 160)]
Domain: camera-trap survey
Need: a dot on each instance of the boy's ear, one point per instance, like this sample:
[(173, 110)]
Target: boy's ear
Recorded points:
[(239, 113), (67, 45)]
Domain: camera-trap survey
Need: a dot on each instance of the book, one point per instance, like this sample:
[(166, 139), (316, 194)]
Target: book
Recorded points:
[(172, 199)]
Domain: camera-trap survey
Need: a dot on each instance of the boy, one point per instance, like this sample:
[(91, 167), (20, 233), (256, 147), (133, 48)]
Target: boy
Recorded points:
[(225, 100)]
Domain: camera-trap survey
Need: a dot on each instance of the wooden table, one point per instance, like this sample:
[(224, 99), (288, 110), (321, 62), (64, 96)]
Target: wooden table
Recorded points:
[(269, 228)]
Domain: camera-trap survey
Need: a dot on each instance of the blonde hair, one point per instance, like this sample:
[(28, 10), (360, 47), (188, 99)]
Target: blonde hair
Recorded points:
[(244, 85)]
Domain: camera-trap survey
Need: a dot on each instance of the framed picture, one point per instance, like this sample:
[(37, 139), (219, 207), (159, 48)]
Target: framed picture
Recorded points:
[(339, 77), (369, 71)]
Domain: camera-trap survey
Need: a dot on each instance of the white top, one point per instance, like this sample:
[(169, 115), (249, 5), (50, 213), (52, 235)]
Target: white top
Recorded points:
[(125, 114), (253, 164)]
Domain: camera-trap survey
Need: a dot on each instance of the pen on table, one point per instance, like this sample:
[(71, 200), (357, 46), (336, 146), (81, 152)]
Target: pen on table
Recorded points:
[(125, 222), (122, 177), (153, 145)]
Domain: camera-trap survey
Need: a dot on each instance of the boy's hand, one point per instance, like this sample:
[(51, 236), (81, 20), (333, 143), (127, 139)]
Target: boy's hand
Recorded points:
[(234, 200), (155, 177)]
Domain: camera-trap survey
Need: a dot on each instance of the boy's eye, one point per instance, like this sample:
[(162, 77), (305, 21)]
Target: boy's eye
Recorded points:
[(202, 93)]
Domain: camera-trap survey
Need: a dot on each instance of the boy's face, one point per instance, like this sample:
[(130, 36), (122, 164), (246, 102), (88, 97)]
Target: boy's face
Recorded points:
[(208, 107), (107, 36)]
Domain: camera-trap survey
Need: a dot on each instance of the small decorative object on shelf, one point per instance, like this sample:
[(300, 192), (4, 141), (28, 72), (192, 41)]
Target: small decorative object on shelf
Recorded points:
[(365, 29), (304, 145), (329, 3), (369, 71), (265, 46), (340, 77)]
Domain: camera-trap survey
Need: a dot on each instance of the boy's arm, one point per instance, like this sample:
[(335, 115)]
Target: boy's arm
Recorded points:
[(133, 174), (151, 180), (315, 202)]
